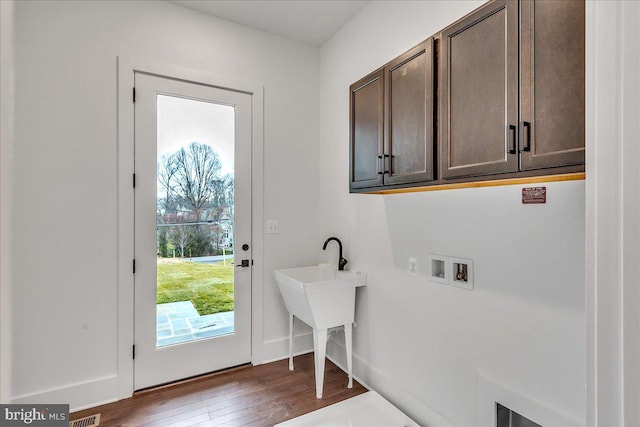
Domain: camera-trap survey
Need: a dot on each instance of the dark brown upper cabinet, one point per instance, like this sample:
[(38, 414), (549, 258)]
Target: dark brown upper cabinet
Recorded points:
[(552, 83), (479, 92), (391, 122), (498, 94), (408, 126), (366, 117), (512, 88)]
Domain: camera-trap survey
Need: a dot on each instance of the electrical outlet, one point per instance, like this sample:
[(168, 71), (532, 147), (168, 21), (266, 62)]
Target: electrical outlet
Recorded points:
[(273, 226), (413, 267)]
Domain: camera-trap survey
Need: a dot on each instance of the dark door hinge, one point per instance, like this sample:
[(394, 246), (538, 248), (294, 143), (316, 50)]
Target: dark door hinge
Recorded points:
[(134, 351), (134, 94), (134, 266), (134, 180)]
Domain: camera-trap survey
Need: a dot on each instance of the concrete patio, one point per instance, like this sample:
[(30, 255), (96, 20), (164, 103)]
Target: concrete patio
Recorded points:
[(179, 322)]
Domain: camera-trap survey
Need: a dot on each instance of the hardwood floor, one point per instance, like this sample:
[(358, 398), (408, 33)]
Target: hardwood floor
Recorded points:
[(248, 396)]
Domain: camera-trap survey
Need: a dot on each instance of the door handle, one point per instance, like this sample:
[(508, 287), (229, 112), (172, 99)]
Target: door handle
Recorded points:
[(244, 263), (514, 140), (523, 126)]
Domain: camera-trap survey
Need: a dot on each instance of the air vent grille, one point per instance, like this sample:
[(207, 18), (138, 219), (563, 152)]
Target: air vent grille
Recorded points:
[(90, 421)]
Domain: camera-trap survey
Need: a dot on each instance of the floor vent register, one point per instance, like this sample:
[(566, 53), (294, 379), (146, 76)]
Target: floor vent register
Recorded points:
[(90, 421)]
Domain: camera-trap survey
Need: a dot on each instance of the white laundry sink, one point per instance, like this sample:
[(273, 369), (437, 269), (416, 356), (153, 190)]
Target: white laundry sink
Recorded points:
[(320, 295), (323, 298)]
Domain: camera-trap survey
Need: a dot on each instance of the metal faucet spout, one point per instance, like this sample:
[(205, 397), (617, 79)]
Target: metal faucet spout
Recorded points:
[(341, 261)]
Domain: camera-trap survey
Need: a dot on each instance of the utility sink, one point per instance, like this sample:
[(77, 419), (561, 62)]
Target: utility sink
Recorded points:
[(322, 297)]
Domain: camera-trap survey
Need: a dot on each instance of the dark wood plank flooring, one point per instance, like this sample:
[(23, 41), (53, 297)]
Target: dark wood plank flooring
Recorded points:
[(261, 395)]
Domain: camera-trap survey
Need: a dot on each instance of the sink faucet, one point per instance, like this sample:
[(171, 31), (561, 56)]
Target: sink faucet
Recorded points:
[(341, 262)]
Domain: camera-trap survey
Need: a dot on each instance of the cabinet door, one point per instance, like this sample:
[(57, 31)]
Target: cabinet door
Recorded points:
[(552, 83), (408, 142), (479, 92), (366, 117)]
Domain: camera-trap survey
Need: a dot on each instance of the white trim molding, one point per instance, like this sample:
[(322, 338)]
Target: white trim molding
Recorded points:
[(126, 69), (631, 209), (613, 208), (7, 118)]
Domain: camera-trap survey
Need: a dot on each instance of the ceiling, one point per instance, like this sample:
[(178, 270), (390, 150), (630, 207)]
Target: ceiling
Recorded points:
[(312, 22)]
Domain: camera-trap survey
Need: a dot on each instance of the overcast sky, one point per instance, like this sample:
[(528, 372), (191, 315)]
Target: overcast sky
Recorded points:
[(183, 121)]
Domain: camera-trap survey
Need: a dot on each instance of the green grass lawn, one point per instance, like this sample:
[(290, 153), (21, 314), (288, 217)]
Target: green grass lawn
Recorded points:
[(208, 286)]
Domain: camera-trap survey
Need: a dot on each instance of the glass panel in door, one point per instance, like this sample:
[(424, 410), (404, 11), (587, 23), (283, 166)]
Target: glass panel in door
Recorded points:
[(195, 220)]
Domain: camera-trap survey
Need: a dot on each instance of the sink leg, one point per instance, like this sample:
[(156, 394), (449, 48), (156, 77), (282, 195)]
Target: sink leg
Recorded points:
[(320, 351), (348, 337), (290, 342)]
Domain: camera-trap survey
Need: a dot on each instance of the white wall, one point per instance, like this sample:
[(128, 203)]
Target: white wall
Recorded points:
[(426, 346), (65, 312)]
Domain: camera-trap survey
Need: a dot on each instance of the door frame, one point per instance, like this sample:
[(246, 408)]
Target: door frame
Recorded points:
[(126, 67)]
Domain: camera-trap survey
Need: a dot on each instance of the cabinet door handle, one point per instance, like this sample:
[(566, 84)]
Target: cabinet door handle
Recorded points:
[(526, 125), (380, 166), (387, 164), (513, 139)]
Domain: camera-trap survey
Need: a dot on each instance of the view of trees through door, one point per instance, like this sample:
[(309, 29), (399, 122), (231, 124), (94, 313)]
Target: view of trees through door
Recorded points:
[(195, 219)]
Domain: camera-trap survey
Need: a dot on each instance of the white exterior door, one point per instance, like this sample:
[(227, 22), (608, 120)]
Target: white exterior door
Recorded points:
[(192, 229)]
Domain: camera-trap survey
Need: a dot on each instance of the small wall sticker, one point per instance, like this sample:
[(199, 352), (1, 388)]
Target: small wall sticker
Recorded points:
[(534, 195)]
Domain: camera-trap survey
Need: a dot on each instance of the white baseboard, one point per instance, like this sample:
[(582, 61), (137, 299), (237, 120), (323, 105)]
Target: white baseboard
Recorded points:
[(79, 396), (278, 349), (394, 393)]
